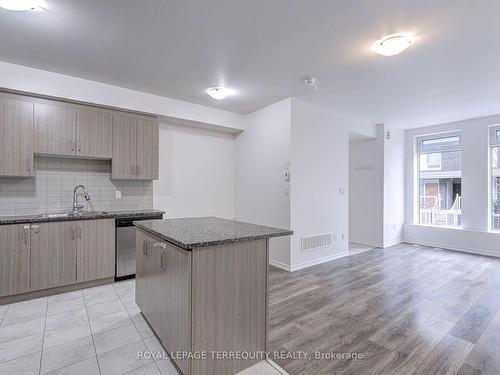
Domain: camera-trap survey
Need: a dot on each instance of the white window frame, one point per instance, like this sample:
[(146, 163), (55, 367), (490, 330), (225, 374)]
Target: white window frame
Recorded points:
[(428, 150), (421, 139), (493, 135), (494, 142)]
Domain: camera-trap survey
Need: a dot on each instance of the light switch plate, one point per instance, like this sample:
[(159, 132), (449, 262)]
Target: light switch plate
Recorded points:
[(118, 194)]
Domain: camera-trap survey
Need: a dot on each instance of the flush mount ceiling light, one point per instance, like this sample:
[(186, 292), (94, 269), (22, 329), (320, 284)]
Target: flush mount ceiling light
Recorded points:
[(22, 4), (219, 92), (394, 44)]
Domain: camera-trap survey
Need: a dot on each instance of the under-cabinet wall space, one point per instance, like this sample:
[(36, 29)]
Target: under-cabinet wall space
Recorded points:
[(55, 178)]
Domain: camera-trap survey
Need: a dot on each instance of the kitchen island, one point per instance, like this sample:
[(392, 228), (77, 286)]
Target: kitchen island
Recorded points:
[(202, 285)]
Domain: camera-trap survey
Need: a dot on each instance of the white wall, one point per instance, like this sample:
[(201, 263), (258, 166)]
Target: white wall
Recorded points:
[(196, 173), (474, 235), (22, 78), (262, 154), (366, 171), (319, 160), (394, 186)]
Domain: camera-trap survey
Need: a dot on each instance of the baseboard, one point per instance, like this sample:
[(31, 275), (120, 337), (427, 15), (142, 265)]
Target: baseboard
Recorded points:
[(314, 262), (397, 241), (447, 246), (363, 242), (282, 266), (52, 291)]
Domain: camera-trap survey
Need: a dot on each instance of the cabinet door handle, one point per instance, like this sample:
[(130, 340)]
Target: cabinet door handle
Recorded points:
[(144, 247), (73, 233), (147, 248), (35, 228), (26, 233), (79, 146), (28, 165), (160, 244), (163, 255), (72, 145)]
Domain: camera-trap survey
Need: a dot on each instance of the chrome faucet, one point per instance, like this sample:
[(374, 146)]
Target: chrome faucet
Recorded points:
[(77, 206)]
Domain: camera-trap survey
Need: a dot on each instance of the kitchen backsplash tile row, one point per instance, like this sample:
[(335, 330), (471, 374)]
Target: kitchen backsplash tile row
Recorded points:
[(55, 178)]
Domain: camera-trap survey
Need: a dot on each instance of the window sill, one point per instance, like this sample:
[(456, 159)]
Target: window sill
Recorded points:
[(440, 226), (491, 231)]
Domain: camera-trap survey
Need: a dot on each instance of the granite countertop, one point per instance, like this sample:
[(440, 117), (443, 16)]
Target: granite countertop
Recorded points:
[(86, 215), (192, 233)]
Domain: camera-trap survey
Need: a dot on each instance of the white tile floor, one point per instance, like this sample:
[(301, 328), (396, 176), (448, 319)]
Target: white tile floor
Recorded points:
[(95, 331)]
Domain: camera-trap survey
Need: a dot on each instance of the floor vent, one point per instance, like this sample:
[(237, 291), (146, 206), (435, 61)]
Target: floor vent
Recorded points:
[(316, 242)]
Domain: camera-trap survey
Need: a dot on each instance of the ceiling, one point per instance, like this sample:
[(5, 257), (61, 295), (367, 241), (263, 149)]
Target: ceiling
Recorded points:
[(263, 49)]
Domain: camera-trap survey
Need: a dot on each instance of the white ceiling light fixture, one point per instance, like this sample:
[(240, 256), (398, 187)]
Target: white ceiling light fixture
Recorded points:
[(219, 92), (394, 44), (19, 5)]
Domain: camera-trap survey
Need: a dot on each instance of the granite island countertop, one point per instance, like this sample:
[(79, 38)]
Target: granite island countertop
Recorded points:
[(86, 215), (196, 232)]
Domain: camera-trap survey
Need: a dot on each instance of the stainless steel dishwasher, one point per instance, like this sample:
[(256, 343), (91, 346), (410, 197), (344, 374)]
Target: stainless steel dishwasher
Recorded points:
[(125, 245)]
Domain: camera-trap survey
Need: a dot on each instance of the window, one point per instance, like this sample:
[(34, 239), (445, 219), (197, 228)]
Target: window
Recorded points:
[(495, 177), (440, 179), (430, 161)]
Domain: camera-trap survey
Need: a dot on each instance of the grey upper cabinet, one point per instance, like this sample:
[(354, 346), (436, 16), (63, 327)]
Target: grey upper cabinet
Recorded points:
[(124, 147), (53, 255), (54, 130), (135, 148), (69, 130), (14, 259), (147, 149), (16, 136), (30, 126), (94, 130)]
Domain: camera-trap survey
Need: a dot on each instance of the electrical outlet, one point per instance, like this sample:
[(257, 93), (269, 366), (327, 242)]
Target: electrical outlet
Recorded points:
[(118, 194)]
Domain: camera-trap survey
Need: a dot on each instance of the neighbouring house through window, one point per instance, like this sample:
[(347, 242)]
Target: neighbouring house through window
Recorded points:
[(440, 179)]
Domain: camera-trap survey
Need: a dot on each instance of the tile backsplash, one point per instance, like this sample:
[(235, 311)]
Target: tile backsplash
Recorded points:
[(52, 188)]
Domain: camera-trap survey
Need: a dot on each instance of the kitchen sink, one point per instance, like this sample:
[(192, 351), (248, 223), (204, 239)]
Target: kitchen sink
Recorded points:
[(71, 214), (90, 213), (57, 215)]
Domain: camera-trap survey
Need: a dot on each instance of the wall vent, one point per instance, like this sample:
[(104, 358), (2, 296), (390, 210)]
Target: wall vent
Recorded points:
[(317, 241)]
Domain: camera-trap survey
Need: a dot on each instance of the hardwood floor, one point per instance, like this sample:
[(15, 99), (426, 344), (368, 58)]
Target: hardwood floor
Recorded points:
[(402, 310)]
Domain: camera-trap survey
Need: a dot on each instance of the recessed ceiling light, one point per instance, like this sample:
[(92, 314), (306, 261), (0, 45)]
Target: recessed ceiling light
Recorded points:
[(394, 44), (22, 4), (219, 92)]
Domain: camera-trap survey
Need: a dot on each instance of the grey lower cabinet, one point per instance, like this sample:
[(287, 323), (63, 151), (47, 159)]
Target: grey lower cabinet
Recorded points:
[(39, 256), (53, 255), (163, 293), (14, 259), (95, 249), (206, 300)]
